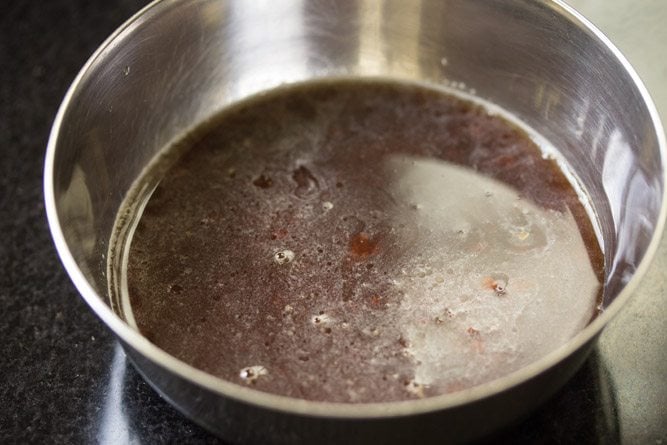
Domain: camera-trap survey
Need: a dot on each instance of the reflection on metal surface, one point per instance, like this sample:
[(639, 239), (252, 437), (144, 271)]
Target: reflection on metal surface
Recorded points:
[(371, 59), (389, 38), (255, 23), (629, 191), (76, 202), (584, 411), (114, 427), (634, 346)]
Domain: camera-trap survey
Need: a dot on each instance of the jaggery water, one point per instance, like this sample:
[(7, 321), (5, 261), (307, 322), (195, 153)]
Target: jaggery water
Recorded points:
[(360, 241)]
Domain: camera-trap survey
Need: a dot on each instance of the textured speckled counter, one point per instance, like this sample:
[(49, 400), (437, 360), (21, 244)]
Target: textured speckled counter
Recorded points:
[(65, 379)]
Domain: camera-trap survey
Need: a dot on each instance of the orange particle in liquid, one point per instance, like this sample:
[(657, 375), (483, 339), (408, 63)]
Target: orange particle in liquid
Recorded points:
[(489, 283), (362, 245), (376, 301)]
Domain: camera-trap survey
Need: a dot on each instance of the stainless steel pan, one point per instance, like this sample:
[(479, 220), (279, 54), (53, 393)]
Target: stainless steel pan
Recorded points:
[(177, 62)]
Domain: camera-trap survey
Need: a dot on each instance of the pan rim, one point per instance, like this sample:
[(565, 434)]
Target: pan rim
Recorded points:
[(308, 408)]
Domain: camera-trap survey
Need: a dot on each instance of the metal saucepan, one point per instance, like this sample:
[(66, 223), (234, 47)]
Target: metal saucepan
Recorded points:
[(176, 63)]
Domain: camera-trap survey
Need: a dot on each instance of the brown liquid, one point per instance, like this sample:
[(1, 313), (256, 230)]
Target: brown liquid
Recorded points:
[(361, 241)]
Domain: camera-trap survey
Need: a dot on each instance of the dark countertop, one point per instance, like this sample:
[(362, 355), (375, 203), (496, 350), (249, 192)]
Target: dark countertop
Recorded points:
[(66, 380)]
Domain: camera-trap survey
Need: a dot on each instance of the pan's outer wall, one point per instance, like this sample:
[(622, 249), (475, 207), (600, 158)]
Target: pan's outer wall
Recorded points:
[(243, 423)]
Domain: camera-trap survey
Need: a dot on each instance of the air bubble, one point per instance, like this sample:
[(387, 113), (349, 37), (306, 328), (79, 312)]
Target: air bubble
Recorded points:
[(175, 288), (501, 282), (497, 282), (306, 183), (520, 233), (283, 256), (320, 319), (447, 314), (371, 332), (414, 388), (263, 182), (251, 373)]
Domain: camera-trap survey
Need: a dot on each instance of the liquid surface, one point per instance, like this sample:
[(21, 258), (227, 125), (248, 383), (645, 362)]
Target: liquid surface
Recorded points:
[(361, 242)]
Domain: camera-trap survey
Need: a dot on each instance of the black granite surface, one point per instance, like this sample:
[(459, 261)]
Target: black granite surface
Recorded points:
[(63, 377)]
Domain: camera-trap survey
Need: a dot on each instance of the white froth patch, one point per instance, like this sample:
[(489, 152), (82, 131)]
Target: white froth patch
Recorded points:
[(503, 279)]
